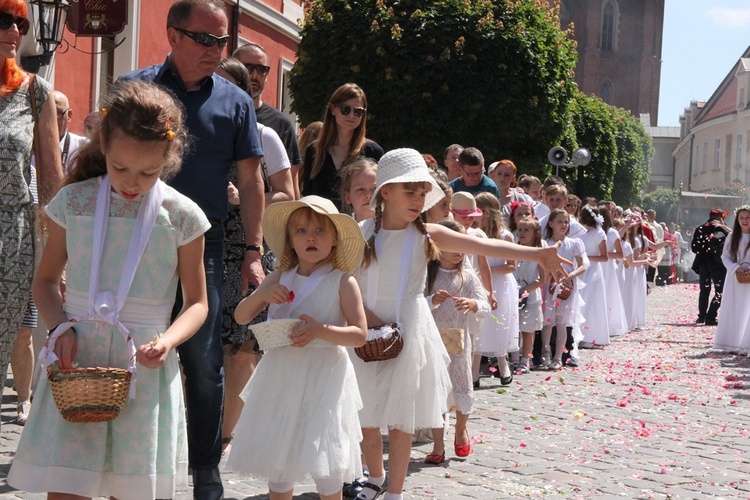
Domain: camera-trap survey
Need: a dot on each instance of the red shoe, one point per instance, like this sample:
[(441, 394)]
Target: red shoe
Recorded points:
[(435, 458), (462, 450)]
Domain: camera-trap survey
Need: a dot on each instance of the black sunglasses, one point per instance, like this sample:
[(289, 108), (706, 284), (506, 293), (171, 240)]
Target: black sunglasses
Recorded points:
[(346, 109), (258, 68), (205, 39), (7, 20)]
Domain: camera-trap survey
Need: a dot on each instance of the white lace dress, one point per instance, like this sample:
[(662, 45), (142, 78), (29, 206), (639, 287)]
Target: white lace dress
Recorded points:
[(595, 327), (300, 414), (627, 283), (460, 283), (639, 289), (410, 391), (565, 312)]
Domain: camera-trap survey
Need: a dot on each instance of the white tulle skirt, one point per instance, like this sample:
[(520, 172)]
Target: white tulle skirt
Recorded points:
[(300, 417), (410, 391), (499, 332)]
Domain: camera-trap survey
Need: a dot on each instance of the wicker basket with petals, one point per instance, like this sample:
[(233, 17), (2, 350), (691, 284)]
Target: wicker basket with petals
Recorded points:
[(381, 349), (743, 273)]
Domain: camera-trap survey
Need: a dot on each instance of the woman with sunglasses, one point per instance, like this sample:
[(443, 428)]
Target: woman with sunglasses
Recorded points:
[(17, 201), (342, 138)]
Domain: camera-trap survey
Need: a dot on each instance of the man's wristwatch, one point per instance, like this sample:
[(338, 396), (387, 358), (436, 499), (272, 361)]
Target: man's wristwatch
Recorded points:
[(254, 248)]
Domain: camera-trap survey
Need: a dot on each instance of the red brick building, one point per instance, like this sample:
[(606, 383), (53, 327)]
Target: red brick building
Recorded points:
[(619, 50), (84, 67)]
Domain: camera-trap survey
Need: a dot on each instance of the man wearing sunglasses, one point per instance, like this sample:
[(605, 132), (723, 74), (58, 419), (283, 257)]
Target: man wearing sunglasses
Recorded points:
[(221, 120), (70, 143), (255, 59), (473, 180)]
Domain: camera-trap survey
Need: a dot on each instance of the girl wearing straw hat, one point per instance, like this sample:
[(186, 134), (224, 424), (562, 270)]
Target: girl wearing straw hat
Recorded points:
[(410, 391), (292, 429)]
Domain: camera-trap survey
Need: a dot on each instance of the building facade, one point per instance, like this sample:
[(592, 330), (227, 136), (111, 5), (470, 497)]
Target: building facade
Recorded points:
[(619, 50), (714, 135), (84, 67)]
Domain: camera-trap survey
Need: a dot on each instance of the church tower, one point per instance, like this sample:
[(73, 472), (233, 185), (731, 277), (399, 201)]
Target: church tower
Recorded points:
[(619, 50)]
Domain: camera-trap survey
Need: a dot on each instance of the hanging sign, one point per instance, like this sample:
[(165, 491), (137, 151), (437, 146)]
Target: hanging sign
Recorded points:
[(97, 17)]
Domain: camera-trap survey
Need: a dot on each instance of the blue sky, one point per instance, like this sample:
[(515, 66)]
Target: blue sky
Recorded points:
[(703, 40)]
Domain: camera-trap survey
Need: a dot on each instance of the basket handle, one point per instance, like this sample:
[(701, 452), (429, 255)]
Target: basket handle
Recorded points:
[(47, 356)]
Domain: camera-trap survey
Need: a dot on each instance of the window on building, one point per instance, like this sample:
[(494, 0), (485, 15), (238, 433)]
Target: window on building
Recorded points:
[(741, 103), (605, 91), (717, 154), (738, 151), (285, 97), (705, 157), (609, 23)]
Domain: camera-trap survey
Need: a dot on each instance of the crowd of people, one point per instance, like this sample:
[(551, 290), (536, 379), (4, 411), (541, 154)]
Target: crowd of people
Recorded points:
[(193, 212)]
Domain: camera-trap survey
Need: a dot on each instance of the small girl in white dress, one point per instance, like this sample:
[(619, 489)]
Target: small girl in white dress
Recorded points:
[(290, 428), (529, 277), (499, 335), (733, 332), (455, 291), (410, 391), (357, 186), (558, 312)]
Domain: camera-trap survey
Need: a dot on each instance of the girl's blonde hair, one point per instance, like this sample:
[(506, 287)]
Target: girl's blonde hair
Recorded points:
[(359, 164), (493, 222), (142, 111), (430, 248), (301, 216), (536, 226), (329, 130), (434, 264)]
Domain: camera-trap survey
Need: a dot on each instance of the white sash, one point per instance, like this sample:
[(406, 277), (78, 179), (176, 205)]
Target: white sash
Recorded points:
[(311, 284), (104, 307), (407, 251)]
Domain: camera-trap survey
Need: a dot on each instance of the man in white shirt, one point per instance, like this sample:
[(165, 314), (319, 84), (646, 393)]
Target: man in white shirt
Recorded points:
[(70, 143)]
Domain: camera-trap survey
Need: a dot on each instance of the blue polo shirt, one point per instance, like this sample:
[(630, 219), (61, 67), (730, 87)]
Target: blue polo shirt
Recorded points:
[(220, 119), (486, 185)]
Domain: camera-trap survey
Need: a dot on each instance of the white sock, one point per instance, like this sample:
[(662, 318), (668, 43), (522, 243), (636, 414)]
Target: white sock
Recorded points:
[(377, 481), (393, 496)]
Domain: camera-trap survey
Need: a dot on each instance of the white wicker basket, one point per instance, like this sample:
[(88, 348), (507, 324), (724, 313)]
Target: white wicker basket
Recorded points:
[(274, 333)]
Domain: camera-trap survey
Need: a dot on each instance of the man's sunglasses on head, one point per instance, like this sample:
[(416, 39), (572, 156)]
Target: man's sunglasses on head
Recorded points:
[(205, 39)]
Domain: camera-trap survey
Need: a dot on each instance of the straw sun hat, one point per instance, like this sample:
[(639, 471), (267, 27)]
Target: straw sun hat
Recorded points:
[(406, 165), (350, 244), (465, 204)]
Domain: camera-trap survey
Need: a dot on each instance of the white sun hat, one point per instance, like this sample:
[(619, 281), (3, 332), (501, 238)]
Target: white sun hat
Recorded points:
[(350, 245), (406, 165)]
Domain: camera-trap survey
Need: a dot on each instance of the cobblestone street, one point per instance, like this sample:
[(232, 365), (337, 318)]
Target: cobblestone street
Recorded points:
[(656, 414)]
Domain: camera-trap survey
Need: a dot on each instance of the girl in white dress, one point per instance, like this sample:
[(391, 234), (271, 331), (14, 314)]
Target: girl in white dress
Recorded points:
[(733, 332), (410, 391), (595, 327), (126, 238), (558, 312), (529, 277), (455, 292), (290, 428), (642, 252), (442, 209), (618, 323), (499, 335)]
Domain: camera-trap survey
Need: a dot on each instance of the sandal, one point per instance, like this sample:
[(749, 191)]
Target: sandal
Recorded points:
[(23, 412), (372, 491)]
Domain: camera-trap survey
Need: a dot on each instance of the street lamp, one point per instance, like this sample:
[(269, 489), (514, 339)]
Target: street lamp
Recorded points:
[(50, 15)]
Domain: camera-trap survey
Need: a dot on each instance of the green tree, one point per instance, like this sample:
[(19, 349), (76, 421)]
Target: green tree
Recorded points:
[(620, 150), (665, 201), (496, 75)]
